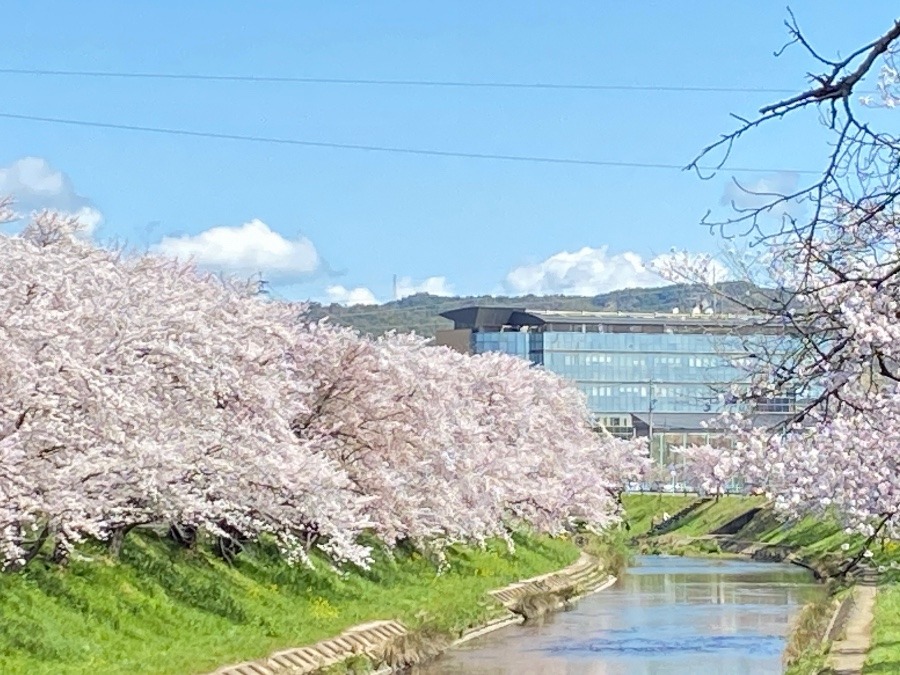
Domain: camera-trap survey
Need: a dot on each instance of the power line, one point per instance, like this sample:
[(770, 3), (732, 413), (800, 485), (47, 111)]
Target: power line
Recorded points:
[(392, 83), (384, 148)]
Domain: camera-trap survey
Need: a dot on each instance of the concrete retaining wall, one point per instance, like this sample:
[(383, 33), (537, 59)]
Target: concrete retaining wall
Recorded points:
[(767, 553), (364, 639), (586, 571), (584, 576)]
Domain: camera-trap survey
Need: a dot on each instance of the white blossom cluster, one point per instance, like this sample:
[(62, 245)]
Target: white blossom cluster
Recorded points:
[(843, 457), (887, 84)]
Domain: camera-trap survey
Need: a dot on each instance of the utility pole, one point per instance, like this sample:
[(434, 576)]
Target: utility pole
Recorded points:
[(714, 290), (650, 418)]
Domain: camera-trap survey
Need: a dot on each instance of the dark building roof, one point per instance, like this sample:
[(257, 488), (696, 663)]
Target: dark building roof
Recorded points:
[(488, 319), (481, 318)]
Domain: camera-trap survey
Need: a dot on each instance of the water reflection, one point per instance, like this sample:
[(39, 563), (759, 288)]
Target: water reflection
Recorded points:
[(665, 615)]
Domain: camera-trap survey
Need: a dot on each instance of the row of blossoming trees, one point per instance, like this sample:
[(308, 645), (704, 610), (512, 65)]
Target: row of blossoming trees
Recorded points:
[(135, 390)]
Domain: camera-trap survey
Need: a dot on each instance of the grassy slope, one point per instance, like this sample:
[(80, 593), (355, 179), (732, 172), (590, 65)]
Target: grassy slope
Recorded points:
[(884, 656), (641, 509), (714, 514), (162, 610), (813, 536)]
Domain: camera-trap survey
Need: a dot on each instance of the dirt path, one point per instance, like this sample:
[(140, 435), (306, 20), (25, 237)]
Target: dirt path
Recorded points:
[(848, 655)]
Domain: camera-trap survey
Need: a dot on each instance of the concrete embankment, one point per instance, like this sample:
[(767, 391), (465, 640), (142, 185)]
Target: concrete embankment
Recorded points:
[(380, 643)]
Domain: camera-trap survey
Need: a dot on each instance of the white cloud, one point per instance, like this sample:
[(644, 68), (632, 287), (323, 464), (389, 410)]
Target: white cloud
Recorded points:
[(351, 296), (248, 249), (589, 271), (90, 219), (432, 285), (592, 271), (35, 185), (360, 295)]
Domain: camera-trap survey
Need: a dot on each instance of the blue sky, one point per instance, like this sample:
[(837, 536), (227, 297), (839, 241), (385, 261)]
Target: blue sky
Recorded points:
[(317, 218)]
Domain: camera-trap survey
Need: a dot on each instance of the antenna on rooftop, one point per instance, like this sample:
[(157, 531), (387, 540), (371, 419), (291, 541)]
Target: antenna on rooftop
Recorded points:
[(396, 293), (262, 286)]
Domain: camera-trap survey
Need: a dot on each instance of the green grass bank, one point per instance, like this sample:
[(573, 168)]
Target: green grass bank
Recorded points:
[(884, 655), (162, 609), (644, 509)]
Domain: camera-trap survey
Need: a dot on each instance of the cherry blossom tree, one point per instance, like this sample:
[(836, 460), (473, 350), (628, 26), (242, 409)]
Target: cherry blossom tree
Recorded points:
[(454, 446), (140, 391), (822, 264), (818, 254), (710, 468)]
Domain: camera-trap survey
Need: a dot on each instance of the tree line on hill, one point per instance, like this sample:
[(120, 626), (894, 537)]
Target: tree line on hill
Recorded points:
[(420, 313)]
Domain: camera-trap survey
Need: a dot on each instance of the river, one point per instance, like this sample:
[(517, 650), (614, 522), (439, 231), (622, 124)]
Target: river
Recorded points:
[(664, 615)]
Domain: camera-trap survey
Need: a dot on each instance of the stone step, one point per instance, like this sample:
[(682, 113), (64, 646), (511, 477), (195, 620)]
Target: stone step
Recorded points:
[(583, 575)]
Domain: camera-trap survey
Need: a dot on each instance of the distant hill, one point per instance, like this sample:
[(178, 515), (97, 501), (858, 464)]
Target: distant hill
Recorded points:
[(420, 312)]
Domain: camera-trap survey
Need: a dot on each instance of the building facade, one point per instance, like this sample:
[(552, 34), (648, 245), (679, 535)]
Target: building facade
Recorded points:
[(657, 375)]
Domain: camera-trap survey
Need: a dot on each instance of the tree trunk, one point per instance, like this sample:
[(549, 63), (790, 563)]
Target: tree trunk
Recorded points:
[(118, 539), (33, 551), (310, 535), (229, 547), (862, 551), (60, 555), (183, 535)]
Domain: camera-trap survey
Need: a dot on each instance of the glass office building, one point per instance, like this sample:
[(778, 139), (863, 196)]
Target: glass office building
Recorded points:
[(661, 375)]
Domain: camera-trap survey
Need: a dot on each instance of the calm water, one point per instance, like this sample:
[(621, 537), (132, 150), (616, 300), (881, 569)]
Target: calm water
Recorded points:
[(664, 615)]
